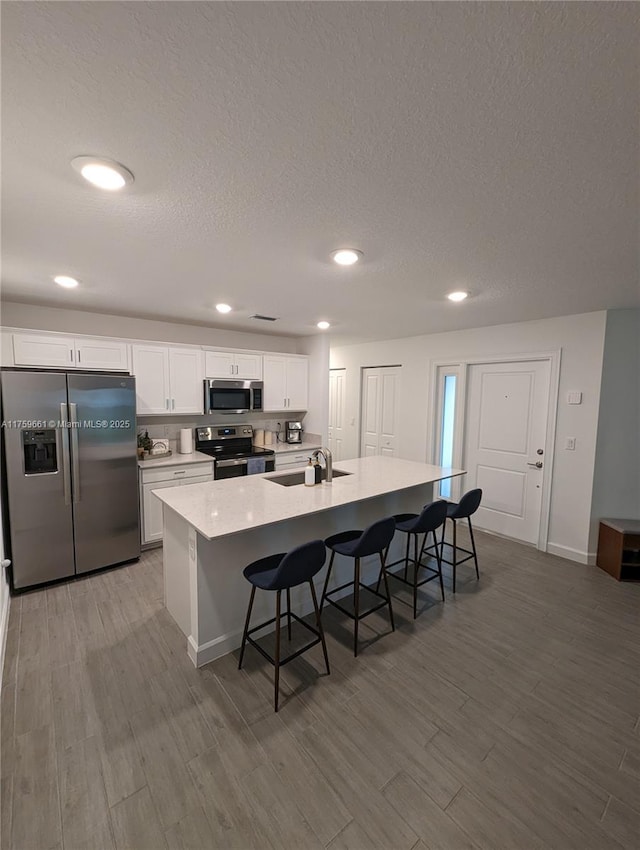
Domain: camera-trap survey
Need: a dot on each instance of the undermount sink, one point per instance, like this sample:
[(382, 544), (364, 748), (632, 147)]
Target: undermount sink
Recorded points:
[(290, 479)]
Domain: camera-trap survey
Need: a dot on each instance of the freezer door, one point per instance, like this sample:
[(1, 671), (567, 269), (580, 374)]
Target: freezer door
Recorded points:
[(102, 409), (37, 482)]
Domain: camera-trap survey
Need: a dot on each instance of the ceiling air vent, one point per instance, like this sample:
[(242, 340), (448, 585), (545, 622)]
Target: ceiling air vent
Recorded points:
[(264, 318)]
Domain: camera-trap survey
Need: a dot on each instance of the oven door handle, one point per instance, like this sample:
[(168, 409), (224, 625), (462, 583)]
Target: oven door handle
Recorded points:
[(223, 463)]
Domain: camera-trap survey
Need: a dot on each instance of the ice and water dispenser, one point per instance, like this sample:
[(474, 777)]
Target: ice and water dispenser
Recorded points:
[(40, 451)]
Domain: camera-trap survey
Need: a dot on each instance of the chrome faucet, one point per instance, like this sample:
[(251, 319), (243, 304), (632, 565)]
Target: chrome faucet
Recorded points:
[(328, 462)]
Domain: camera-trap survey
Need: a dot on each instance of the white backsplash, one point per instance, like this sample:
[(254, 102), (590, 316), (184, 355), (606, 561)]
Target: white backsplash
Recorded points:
[(160, 427)]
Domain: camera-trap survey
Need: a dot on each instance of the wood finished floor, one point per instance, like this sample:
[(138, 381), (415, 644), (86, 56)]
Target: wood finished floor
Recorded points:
[(505, 718)]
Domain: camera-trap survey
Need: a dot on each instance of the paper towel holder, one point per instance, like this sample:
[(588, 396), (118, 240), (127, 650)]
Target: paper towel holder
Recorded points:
[(185, 441)]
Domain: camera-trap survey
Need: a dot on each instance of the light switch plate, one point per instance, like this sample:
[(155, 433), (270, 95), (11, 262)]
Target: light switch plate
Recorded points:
[(574, 398)]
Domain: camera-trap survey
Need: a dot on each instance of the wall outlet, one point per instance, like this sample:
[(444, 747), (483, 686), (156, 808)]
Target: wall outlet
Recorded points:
[(574, 397), (570, 444)]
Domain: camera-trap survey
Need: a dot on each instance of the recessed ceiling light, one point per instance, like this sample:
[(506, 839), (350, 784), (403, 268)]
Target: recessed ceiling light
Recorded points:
[(103, 173), (223, 308), (457, 296), (323, 325), (346, 256), (66, 281)]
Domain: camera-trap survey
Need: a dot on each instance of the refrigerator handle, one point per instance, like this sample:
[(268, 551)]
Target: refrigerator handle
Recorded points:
[(74, 451), (63, 448)]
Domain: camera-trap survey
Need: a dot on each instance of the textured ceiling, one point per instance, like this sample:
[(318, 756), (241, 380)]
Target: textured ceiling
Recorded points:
[(485, 146)]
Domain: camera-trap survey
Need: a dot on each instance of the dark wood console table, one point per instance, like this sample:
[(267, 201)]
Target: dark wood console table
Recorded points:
[(619, 548)]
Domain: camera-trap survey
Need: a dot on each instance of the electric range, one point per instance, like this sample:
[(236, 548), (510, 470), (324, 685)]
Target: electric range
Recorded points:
[(231, 447)]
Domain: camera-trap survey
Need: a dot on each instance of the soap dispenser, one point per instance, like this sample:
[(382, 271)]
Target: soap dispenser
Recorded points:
[(317, 469), (309, 474)]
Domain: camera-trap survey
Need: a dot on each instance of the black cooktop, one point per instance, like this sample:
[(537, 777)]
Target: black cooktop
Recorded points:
[(226, 453)]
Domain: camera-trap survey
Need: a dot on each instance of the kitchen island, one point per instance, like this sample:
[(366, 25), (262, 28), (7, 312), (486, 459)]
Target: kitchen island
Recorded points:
[(213, 530)]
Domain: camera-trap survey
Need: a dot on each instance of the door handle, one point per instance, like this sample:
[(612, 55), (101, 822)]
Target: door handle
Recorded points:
[(75, 466), (63, 446), (537, 464)]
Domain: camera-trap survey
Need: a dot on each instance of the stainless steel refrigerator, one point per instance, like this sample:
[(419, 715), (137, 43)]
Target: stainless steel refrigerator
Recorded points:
[(70, 476)]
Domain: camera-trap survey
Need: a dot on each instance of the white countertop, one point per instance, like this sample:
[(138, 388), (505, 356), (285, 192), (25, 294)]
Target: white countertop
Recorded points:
[(176, 459), (219, 508)]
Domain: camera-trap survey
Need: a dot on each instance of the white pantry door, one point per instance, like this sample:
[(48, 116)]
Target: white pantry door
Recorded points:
[(506, 426), (336, 412), (378, 434)]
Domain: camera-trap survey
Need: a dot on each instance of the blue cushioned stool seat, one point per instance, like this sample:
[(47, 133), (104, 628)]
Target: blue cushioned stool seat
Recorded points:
[(282, 572), (357, 544), (431, 518)]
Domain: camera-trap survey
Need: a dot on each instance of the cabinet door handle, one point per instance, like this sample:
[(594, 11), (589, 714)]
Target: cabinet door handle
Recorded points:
[(79, 356), (71, 354), (173, 403), (166, 403), (180, 472)]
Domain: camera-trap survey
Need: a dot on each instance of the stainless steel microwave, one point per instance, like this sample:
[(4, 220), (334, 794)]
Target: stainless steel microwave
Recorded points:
[(232, 396)]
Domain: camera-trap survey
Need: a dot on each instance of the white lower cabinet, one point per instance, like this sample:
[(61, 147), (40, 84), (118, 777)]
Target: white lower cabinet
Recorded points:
[(291, 460), (158, 479)]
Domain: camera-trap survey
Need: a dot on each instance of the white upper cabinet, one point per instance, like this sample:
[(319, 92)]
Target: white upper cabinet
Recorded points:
[(150, 365), (70, 352), (186, 379), (240, 365), (297, 383), (110, 355), (168, 380), (41, 350), (286, 382)]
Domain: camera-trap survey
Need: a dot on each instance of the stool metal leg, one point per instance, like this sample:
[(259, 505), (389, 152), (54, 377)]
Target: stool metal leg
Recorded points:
[(455, 552), (277, 654), (319, 624), (326, 581), (415, 576), (356, 606), (406, 556), (438, 561), (246, 626), (289, 613), (473, 546), (386, 587)]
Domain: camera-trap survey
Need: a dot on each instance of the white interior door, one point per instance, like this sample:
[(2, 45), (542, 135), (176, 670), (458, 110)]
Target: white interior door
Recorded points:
[(336, 413), (506, 426), (378, 431)]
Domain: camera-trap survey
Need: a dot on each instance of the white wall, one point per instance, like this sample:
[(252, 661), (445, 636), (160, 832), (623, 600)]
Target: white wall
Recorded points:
[(317, 419), (581, 339), (16, 315), (616, 490)]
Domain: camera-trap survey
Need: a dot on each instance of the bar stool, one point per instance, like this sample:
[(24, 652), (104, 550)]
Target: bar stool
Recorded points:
[(431, 518), (282, 572), (463, 509), (358, 544)]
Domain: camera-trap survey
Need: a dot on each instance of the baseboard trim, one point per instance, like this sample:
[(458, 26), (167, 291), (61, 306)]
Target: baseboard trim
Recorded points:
[(201, 654), (570, 554), (4, 623)]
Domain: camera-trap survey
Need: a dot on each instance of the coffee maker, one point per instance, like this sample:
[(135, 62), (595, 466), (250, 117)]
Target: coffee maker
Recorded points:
[(293, 432)]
